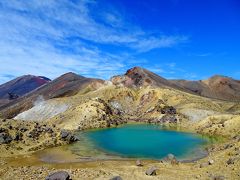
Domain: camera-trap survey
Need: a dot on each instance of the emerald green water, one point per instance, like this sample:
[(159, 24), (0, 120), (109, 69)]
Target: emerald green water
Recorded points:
[(141, 141)]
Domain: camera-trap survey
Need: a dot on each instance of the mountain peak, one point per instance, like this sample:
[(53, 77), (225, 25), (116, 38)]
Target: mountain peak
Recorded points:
[(135, 69), (70, 76), (217, 76), (20, 86), (140, 77), (218, 80)]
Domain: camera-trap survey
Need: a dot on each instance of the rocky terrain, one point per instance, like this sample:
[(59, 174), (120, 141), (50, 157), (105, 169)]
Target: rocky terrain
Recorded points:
[(20, 137), (49, 115)]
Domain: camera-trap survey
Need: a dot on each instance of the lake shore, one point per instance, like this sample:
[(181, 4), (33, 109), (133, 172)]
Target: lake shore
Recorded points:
[(30, 166)]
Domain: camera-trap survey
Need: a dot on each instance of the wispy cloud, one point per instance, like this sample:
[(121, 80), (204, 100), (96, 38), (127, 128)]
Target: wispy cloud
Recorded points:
[(150, 43), (200, 54), (53, 37)]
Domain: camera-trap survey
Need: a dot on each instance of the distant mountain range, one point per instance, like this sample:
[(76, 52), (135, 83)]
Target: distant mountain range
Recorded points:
[(21, 92), (217, 87)]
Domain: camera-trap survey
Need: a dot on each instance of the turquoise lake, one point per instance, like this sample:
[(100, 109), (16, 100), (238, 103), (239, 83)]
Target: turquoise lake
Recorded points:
[(141, 141)]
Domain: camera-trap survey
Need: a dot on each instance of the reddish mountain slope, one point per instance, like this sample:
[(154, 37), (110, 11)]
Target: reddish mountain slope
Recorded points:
[(218, 87), (137, 77), (20, 86)]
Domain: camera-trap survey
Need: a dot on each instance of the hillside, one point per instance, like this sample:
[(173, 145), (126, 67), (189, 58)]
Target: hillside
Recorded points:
[(218, 87), (20, 86), (66, 85)]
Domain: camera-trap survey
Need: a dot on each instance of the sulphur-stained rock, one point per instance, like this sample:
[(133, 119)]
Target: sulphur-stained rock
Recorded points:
[(151, 171), (60, 175), (5, 138), (116, 178), (139, 163)]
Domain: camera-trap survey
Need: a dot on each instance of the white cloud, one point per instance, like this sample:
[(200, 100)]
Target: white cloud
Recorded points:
[(161, 42), (200, 54), (51, 37)]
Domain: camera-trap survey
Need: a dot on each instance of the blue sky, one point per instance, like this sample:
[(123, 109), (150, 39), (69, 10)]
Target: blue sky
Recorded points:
[(177, 39)]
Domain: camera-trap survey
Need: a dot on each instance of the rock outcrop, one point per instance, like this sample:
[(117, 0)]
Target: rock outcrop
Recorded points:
[(5, 138)]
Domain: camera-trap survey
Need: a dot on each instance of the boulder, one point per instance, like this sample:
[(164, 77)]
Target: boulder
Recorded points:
[(228, 146), (210, 162), (116, 178), (60, 175), (168, 110), (231, 161), (72, 138), (23, 129), (139, 163), (168, 118), (202, 165), (151, 171), (171, 159), (67, 136), (5, 138), (237, 138), (49, 130), (18, 136), (33, 134), (64, 134), (3, 130), (218, 178)]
